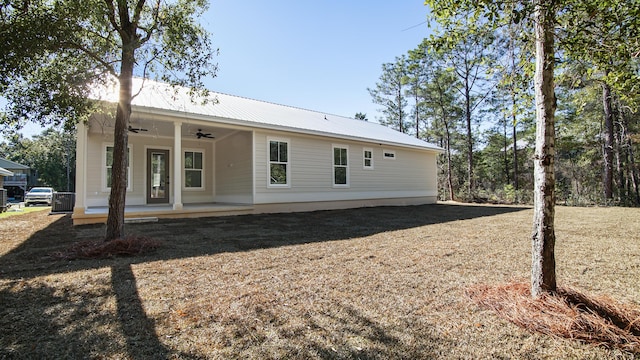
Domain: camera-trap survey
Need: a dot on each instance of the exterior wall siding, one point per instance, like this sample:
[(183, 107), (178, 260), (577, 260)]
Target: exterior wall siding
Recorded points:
[(410, 174), (233, 168)]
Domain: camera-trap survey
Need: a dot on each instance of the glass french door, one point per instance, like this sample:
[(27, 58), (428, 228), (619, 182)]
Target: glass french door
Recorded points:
[(157, 176)]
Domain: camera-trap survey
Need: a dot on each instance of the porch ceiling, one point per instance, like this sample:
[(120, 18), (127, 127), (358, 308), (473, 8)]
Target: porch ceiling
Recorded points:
[(144, 125)]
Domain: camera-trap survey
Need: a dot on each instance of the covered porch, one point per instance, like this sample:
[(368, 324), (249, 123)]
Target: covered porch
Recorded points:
[(140, 213), (177, 167)]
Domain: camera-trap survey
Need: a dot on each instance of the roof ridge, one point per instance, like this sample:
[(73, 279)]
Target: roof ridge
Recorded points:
[(249, 98), (285, 105)]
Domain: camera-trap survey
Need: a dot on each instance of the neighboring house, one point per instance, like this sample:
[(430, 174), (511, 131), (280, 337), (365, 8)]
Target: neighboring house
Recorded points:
[(17, 183), (3, 192), (240, 156), (3, 173)]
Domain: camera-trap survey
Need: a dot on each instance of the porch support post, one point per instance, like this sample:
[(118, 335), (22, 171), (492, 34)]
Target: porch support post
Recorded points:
[(177, 166), (81, 169)]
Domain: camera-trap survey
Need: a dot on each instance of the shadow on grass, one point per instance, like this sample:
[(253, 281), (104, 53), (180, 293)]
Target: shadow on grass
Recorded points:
[(138, 329), (342, 331), (40, 309), (184, 238), (35, 321)]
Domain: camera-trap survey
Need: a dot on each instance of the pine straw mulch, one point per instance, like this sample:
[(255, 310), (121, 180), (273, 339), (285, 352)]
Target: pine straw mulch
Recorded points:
[(100, 249), (569, 314)]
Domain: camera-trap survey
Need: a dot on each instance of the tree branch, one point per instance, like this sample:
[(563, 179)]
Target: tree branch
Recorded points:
[(112, 15)]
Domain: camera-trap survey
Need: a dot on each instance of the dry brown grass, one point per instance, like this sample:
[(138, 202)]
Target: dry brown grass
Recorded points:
[(380, 283)]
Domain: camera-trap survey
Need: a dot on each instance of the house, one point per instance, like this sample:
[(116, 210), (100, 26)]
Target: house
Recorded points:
[(3, 192), (18, 182), (241, 156), (3, 173)]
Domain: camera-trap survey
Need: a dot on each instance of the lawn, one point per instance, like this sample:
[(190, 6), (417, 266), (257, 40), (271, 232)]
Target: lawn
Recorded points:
[(23, 210), (374, 283)]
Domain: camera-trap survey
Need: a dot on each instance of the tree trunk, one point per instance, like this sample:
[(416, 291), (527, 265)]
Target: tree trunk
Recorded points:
[(448, 149), (633, 172), (467, 92), (506, 151), (632, 169), (117, 197), (621, 161), (417, 100), (608, 142), (515, 147), (543, 270), (400, 114)]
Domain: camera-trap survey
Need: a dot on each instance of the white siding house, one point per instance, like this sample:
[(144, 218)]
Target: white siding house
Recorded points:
[(239, 156)]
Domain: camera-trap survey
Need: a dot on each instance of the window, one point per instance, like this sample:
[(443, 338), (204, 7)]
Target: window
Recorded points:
[(340, 166), (389, 154), (367, 161), (193, 169), (278, 163), (109, 165)]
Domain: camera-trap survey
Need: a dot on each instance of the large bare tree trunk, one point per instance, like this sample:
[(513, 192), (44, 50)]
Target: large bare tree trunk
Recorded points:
[(115, 218), (543, 270), (117, 197)]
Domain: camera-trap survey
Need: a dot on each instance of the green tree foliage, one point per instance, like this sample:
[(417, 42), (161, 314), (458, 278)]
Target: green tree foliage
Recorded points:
[(56, 52), (390, 94), (51, 154), (361, 116), (604, 36), (466, 46)]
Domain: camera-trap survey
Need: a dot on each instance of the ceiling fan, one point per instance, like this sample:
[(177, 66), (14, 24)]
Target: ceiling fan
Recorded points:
[(136, 130), (200, 135)]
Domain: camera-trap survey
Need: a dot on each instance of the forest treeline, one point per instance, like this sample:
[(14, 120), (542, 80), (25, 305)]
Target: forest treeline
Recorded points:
[(469, 89)]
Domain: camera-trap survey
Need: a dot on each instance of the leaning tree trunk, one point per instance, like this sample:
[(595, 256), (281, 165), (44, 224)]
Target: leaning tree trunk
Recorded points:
[(543, 270)]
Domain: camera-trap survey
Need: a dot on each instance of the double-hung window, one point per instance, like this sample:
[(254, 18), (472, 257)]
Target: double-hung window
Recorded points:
[(108, 166), (367, 158), (279, 168), (193, 169), (340, 166)]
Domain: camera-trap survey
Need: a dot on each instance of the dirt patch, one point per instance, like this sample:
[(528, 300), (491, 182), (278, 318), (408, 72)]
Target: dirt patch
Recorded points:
[(373, 283)]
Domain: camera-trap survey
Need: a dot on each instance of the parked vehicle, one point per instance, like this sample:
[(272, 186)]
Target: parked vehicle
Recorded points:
[(39, 195)]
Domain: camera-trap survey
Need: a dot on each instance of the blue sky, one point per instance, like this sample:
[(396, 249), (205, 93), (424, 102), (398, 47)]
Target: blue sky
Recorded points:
[(317, 55)]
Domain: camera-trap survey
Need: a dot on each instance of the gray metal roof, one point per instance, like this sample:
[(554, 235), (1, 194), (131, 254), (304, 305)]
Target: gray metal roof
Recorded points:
[(176, 101), (8, 164)]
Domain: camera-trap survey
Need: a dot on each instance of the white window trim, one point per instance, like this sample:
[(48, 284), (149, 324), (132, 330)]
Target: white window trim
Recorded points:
[(288, 163), (104, 167), (203, 171), (364, 159), (333, 166), (385, 152)]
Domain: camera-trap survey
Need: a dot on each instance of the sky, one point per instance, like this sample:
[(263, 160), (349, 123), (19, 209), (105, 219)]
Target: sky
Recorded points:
[(316, 55)]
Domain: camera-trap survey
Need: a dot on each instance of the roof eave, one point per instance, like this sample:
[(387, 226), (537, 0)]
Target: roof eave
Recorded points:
[(5, 172)]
